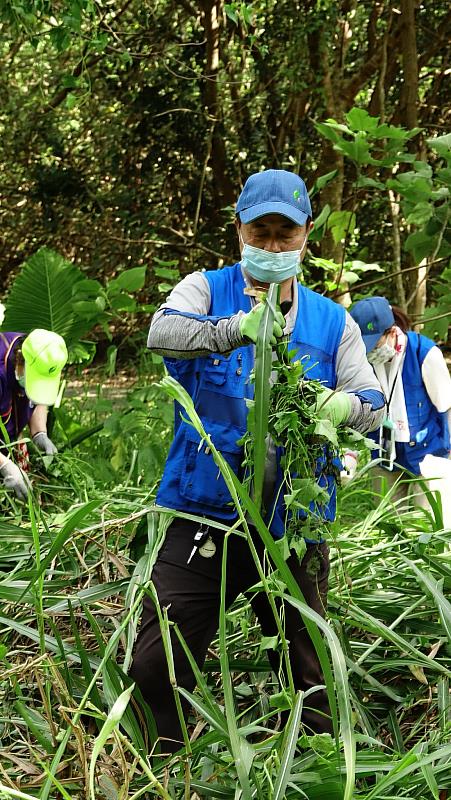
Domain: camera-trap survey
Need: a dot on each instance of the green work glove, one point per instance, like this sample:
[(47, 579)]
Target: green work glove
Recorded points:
[(250, 323), (334, 406)]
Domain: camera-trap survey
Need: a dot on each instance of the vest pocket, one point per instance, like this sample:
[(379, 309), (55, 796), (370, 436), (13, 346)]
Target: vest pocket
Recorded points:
[(215, 371), (201, 480)]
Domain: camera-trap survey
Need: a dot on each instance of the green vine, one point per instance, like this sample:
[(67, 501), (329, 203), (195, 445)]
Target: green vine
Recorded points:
[(311, 445)]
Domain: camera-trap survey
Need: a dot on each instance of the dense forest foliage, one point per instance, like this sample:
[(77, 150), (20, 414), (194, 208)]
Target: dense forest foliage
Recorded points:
[(129, 129)]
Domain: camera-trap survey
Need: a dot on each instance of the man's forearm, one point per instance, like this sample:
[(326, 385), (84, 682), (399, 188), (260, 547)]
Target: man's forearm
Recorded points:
[(367, 411), (177, 334)]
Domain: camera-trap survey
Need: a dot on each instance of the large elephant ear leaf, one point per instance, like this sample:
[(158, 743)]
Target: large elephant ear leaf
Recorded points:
[(42, 297)]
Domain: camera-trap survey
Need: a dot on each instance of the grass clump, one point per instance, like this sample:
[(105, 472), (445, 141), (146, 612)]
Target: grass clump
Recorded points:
[(72, 576)]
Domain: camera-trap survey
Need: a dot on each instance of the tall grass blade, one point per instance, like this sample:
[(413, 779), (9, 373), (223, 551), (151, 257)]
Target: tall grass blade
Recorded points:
[(263, 367), (112, 721), (7, 791), (242, 751), (37, 724), (405, 766), (61, 749), (84, 660), (60, 540), (444, 702), (443, 605), (288, 749), (342, 688), (215, 715)]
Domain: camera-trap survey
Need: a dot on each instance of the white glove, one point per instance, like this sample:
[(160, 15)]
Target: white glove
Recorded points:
[(14, 478), (349, 461), (45, 445)]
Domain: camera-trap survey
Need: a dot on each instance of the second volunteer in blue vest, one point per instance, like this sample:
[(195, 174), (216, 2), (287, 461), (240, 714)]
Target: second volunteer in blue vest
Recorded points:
[(206, 332), (417, 384)]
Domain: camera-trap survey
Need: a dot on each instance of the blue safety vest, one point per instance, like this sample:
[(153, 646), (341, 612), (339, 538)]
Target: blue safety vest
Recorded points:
[(428, 427), (219, 386)]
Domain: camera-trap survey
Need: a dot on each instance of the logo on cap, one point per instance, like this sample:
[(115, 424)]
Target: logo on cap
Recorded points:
[(370, 326), (297, 195)]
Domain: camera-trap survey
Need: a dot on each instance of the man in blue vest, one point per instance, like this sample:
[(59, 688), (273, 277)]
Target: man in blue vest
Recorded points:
[(206, 331), (30, 371)]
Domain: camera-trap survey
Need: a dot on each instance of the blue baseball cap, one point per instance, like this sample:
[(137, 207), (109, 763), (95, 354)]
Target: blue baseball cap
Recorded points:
[(274, 191), (374, 316)]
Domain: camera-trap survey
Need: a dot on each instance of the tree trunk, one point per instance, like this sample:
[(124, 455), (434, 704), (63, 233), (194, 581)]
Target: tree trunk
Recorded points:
[(415, 282), (223, 189), (409, 92)]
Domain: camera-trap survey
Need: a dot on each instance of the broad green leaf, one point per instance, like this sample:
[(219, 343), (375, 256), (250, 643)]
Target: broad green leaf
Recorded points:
[(359, 120), (332, 123), (131, 280), (322, 181), (123, 302), (305, 490), (325, 428), (328, 131), (167, 272), (423, 168), (437, 328), (420, 214), (385, 131), (231, 13), (413, 187), (369, 183), (357, 150), (50, 280), (164, 288), (86, 308), (342, 224), (420, 244), (441, 144), (322, 218)]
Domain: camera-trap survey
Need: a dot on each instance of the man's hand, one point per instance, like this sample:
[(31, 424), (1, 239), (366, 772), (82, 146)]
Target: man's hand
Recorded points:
[(250, 323), (14, 478), (45, 445), (334, 406)]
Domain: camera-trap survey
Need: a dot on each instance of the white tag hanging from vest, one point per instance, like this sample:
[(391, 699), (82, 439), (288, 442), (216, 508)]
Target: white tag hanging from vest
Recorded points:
[(208, 548)]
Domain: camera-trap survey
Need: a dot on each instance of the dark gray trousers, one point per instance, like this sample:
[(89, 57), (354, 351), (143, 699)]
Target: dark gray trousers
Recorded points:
[(192, 594)]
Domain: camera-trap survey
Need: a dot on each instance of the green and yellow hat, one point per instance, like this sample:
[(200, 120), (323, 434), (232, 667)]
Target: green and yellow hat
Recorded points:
[(45, 355)]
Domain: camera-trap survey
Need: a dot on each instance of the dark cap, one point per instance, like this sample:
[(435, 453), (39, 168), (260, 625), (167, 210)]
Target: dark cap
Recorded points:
[(374, 316)]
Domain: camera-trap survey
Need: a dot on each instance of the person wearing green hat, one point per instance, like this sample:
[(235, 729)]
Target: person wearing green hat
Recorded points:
[(30, 372)]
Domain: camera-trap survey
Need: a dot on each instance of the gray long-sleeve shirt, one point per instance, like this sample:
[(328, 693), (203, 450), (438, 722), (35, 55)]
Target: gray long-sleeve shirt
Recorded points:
[(178, 336)]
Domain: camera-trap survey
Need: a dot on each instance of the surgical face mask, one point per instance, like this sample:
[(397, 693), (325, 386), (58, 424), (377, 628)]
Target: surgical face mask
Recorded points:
[(271, 267), (382, 354), (20, 379)]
